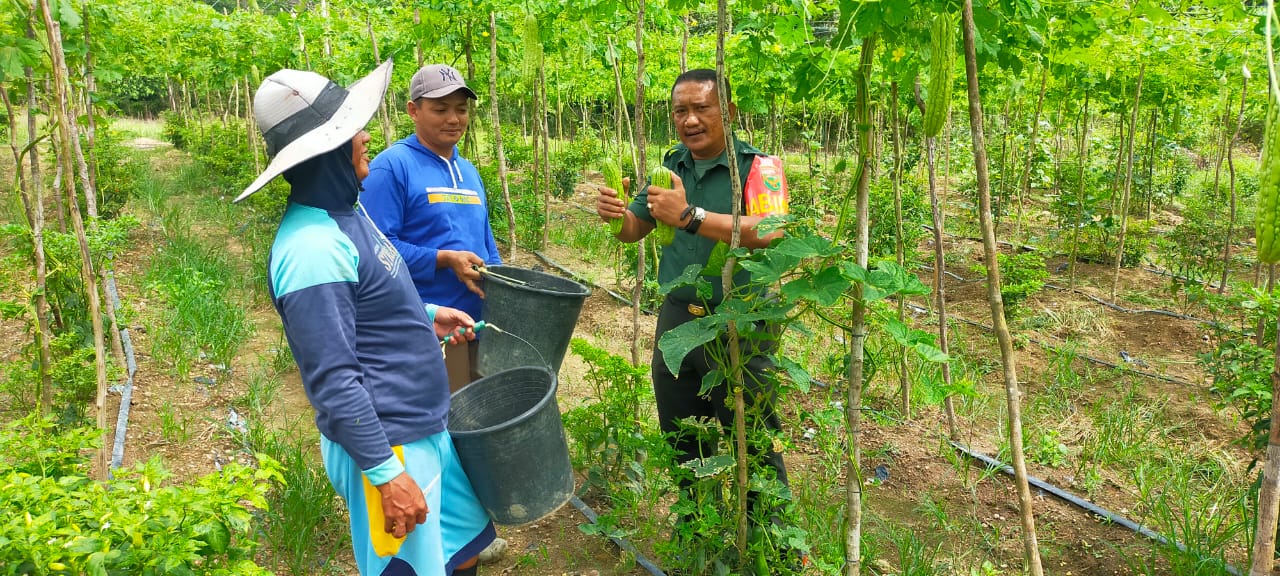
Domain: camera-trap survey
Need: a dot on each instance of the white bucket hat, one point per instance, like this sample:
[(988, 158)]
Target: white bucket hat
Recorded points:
[(303, 115)]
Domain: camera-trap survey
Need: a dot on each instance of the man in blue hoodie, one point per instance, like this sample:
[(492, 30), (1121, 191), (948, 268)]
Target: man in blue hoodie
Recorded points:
[(431, 204)]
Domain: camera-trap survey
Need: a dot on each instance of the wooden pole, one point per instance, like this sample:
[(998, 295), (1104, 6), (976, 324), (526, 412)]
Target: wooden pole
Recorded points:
[(497, 137), (1231, 168), (899, 246), (640, 180), (858, 324), (1031, 550), (726, 280), (65, 151), (1025, 188), (939, 268), (383, 115), (1128, 182), (1083, 157)]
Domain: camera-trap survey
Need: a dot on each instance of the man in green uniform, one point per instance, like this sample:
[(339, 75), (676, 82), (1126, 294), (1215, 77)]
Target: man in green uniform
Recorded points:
[(699, 206)]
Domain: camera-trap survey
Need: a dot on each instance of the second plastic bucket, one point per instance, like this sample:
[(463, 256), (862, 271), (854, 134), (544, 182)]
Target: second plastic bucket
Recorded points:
[(541, 309), (510, 440)]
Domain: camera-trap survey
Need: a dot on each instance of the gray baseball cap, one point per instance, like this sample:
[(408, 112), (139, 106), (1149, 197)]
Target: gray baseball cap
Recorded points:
[(437, 81)]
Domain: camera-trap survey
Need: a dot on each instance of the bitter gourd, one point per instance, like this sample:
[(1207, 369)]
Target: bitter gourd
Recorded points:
[(613, 179), (943, 36), (663, 233)]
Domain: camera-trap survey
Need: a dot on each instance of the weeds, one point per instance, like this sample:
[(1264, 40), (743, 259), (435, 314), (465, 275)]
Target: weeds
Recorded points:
[(173, 426)]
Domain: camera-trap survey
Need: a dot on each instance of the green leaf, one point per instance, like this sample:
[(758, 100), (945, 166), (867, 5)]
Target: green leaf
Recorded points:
[(825, 288), (67, 15), (689, 277), (707, 467), (215, 535), (84, 545), (678, 342), (930, 352), (799, 376), (715, 262), (97, 564), (805, 247)]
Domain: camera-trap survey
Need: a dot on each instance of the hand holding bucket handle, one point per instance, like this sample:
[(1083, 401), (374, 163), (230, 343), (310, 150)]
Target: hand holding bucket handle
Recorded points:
[(465, 265), (464, 333)]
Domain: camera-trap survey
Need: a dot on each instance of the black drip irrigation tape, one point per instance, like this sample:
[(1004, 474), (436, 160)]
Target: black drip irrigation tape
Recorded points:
[(1152, 270), (1156, 311), (622, 543), (1053, 348), (1079, 502), (1111, 305), (126, 394)]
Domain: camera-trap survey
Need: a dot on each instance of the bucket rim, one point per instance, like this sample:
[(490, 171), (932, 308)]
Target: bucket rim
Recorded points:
[(550, 396), (583, 293)]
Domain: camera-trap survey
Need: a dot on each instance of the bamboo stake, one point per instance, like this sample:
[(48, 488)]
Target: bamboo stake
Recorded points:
[(641, 164), (1152, 151), (684, 43), (65, 136), (1025, 189), (726, 279), (858, 324), (543, 129), (383, 115), (904, 379), (1231, 168), (497, 136), (939, 268), (35, 219), (324, 19), (1080, 190), (90, 88), (1128, 182), (1031, 548)]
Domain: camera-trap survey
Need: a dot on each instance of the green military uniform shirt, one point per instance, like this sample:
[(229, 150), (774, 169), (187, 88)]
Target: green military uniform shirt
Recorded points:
[(714, 194)]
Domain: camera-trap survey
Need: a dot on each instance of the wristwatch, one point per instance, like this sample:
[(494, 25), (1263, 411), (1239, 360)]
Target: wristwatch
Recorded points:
[(698, 216)]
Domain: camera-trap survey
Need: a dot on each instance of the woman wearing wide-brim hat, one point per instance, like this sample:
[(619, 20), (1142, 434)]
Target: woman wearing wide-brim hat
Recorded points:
[(365, 345)]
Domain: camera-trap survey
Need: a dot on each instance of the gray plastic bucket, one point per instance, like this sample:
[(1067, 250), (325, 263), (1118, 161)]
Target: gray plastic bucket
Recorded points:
[(510, 439), (542, 309)]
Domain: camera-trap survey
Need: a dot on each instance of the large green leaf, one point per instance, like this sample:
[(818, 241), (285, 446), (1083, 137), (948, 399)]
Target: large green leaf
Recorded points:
[(824, 288), (707, 467), (677, 342)]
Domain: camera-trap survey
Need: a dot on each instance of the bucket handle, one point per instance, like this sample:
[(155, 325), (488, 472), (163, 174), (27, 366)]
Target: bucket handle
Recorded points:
[(485, 270)]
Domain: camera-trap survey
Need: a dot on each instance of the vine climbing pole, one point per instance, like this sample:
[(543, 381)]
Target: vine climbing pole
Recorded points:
[(1031, 548), (858, 324), (1264, 540), (899, 246), (942, 62), (35, 219), (726, 280), (66, 125), (1231, 167), (637, 182), (1128, 182)]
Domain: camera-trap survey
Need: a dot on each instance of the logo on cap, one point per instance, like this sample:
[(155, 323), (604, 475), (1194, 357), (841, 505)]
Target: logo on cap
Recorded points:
[(446, 75)]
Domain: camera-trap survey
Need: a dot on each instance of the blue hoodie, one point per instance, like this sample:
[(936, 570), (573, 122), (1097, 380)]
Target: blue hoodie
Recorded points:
[(425, 203), (366, 349)]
